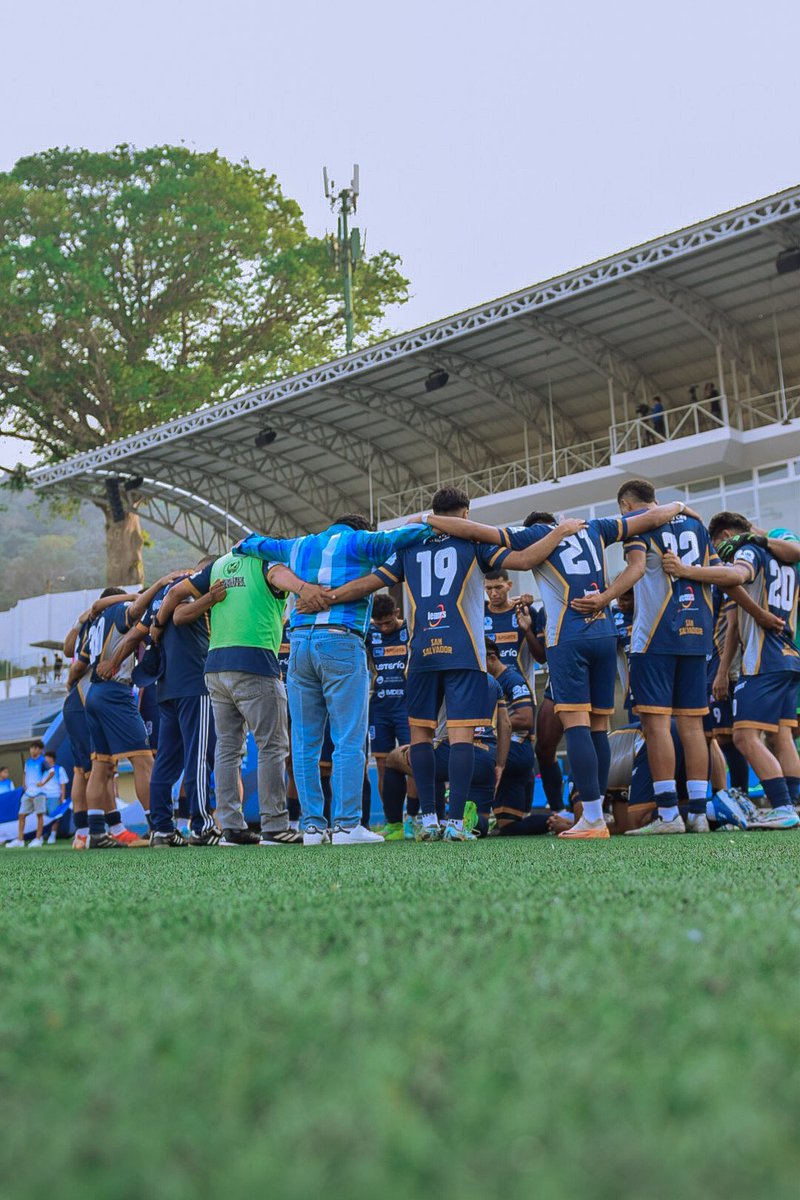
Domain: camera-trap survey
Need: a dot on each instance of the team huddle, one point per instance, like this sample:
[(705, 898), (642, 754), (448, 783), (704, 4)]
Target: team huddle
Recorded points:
[(699, 628)]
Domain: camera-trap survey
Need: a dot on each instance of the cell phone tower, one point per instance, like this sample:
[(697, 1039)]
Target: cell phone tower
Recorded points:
[(346, 245)]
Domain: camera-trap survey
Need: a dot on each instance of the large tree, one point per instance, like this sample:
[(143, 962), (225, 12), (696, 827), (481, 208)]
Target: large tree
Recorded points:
[(138, 284)]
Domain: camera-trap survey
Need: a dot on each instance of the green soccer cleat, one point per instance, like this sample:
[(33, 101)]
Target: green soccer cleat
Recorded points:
[(453, 834), (393, 832), (470, 816)]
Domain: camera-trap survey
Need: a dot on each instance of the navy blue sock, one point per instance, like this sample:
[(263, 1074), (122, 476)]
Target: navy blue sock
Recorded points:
[(327, 797), (583, 762), (738, 767), (97, 822), (793, 785), (553, 785), (776, 792), (394, 794), (462, 764), (603, 752), (423, 764), (113, 818), (81, 821), (366, 801)]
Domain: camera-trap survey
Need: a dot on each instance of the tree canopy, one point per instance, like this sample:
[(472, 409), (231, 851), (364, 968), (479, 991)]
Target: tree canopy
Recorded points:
[(138, 284)]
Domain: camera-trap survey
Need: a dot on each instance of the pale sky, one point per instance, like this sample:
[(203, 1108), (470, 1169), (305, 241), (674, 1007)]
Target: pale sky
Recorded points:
[(499, 143)]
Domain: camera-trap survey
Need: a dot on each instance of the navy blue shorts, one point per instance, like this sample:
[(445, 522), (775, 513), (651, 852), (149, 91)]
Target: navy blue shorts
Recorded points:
[(465, 692), (512, 799), (766, 701), (481, 790), (388, 727), (583, 674), (720, 716), (667, 684), (116, 728), (77, 728)]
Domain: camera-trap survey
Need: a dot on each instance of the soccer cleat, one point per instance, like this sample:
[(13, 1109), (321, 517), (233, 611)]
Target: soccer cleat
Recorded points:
[(783, 817), (745, 803), (393, 832), (410, 827), (729, 810), (36, 842), (697, 823), (205, 839), (128, 838), (51, 841), (428, 833), (583, 831), (452, 833), (103, 841), (165, 841), (470, 815), (656, 827), (314, 836), (282, 837), (80, 841), (240, 837), (358, 836), (15, 844)]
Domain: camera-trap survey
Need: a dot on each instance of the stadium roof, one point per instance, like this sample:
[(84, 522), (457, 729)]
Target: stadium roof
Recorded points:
[(552, 365)]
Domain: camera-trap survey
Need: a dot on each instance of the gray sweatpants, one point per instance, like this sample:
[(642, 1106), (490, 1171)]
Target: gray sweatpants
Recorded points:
[(256, 702)]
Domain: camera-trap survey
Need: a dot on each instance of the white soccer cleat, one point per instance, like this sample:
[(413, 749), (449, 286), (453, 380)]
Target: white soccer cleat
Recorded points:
[(15, 844), (36, 842), (777, 818), (358, 836), (697, 823), (314, 836), (659, 826)]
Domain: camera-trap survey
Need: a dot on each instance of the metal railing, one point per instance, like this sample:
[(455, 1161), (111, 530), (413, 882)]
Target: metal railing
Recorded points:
[(721, 412)]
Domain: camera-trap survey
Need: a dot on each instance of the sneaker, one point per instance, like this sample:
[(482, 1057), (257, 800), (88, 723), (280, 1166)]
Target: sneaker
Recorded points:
[(314, 836), (51, 841), (37, 842), (126, 837), (212, 838), (163, 841), (428, 833), (358, 836), (584, 830), (452, 833), (658, 826), (393, 832), (697, 823), (15, 844), (282, 837), (240, 837), (470, 815), (410, 827), (80, 841), (783, 817), (103, 841), (729, 809)]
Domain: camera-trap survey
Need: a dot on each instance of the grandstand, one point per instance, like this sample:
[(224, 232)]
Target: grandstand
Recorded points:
[(529, 400)]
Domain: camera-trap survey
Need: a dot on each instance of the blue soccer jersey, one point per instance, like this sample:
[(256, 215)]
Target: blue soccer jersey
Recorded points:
[(184, 649), (444, 590), (388, 653), (773, 586), (105, 634), (721, 607), (576, 568), (673, 616), (503, 629), (517, 696)]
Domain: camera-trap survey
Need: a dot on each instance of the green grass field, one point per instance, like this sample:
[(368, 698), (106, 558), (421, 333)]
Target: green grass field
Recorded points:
[(513, 1019)]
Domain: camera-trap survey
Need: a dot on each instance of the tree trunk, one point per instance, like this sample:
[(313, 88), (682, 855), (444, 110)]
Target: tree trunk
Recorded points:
[(124, 543)]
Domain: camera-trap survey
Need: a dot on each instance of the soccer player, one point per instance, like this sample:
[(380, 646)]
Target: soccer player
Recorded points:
[(500, 617), (448, 657), (511, 801), (387, 647), (765, 698), (581, 645)]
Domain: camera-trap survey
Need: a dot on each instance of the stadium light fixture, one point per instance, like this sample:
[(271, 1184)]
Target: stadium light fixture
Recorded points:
[(436, 380), (134, 483), (346, 245), (264, 438)]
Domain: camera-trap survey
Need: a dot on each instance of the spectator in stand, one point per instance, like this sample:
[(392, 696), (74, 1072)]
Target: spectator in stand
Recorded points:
[(6, 782), (657, 418), (643, 413), (54, 788), (58, 667), (715, 408)]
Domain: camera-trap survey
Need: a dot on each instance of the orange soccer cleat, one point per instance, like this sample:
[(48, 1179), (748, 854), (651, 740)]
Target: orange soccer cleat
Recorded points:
[(584, 830), (127, 838)]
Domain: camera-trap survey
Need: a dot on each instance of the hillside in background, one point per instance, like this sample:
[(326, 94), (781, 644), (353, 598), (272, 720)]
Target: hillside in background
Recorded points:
[(41, 551)]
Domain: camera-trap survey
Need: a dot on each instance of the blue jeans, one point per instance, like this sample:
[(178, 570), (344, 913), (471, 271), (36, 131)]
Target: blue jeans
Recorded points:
[(328, 679)]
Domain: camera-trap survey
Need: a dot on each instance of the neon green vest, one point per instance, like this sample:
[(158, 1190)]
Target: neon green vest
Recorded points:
[(251, 614)]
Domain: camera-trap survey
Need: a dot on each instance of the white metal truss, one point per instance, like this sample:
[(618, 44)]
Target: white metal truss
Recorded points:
[(712, 323), (753, 217), (597, 353)]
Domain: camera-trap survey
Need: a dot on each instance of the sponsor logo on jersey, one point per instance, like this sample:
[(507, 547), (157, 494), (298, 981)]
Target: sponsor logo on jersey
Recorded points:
[(686, 597), (233, 567), (436, 616)]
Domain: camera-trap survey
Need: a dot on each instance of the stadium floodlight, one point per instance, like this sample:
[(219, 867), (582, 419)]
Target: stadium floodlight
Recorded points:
[(134, 483), (346, 245), (436, 380), (264, 437)]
